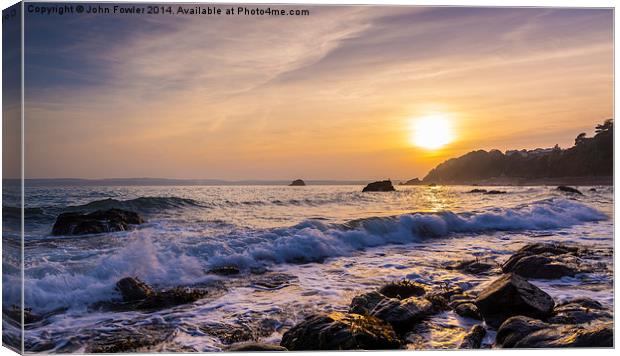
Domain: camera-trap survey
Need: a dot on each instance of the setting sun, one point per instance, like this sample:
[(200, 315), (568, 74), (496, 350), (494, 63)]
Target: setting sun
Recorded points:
[(431, 132)]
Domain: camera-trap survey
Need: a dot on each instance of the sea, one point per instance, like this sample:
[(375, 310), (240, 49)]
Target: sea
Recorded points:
[(300, 251)]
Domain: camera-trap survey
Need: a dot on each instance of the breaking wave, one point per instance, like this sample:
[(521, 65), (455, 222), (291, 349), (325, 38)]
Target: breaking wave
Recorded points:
[(159, 259)]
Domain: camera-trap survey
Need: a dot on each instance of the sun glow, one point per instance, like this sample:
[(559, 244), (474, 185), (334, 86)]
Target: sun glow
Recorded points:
[(431, 132)]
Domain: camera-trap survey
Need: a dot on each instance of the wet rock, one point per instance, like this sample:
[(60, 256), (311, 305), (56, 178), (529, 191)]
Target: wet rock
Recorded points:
[(475, 266), (566, 189), (440, 297), (225, 270), (403, 289), (340, 331), (255, 346), (297, 183), (477, 191), (171, 297), (523, 332), (580, 311), (592, 190), (543, 267), (512, 295), (516, 328), (94, 223), (402, 314), (15, 313), (365, 303), (116, 339), (473, 339), (133, 289), (380, 186), (545, 261), (468, 310), (229, 333)]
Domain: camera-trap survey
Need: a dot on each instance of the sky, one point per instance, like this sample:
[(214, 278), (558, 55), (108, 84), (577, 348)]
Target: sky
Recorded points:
[(332, 95)]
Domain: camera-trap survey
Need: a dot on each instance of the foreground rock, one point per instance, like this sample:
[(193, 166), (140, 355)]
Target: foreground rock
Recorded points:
[(297, 183), (524, 332), (566, 189), (512, 295), (473, 339), (95, 223), (381, 186), (545, 261), (580, 311), (340, 331)]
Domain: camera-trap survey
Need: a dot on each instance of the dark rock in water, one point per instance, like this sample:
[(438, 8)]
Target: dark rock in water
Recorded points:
[(365, 303), (340, 331), (94, 223), (403, 289), (494, 192), (468, 310), (297, 183), (473, 339), (512, 295), (542, 267), (255, 346), (592, 189), (579, 311), (225, 270), (440, 297), (523, 332), (117, 339), (567, 189), (171, 297), (381, 186), (477, 190), (545, 261), (229, 333), (516, 328), (133, 289), (475, 266), (402, 314), (432, 185), (15, 313)]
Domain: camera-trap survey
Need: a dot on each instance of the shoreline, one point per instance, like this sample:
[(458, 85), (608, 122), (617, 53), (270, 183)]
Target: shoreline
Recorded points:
[(524, 182)]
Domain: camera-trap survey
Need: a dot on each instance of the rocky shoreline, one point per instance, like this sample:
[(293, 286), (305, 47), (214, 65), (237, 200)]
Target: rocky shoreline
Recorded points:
[(508, 312), (521, 314)]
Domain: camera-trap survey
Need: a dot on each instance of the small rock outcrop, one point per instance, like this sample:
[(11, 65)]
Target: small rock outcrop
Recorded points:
[(524, 332), (512, 295), (473, 339), (340, 331), (567, 189), (95, 223), (380, 186), (403, 289), (545, 261), (138, 295), (297, 183), (133, 289)]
